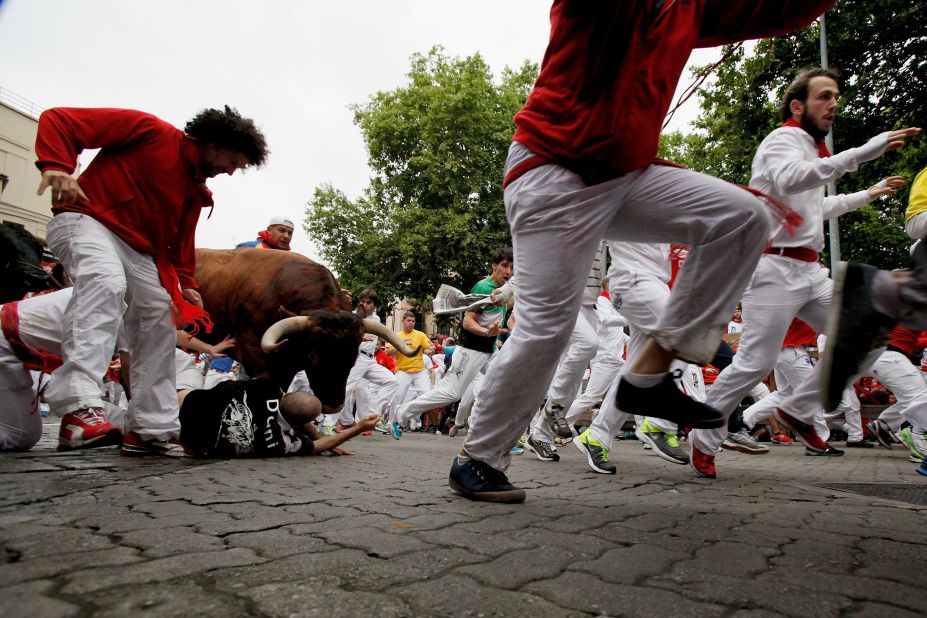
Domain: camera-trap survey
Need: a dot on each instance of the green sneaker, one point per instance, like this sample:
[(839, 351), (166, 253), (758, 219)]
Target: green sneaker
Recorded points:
[(595, 452), (916, 443), (522, 440), (666, 445)]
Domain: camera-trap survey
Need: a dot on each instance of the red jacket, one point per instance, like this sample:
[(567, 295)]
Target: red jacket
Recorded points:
[(145, 185), (611, 68)]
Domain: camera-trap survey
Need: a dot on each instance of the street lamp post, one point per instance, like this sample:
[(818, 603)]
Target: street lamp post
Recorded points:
[(833, 224)]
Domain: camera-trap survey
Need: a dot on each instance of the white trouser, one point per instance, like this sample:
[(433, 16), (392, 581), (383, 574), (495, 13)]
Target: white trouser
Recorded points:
[(466, 364), (902, 378), (40, 322), (471, 393), (213, 377), (643, 298), (582, 347), (603, 369), (187, 374), (557, 223), (781, 289), (794, 367), (381, 390), (418, 380), (113, 283)]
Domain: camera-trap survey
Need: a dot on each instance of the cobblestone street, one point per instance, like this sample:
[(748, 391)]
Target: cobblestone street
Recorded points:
[(380, 533)]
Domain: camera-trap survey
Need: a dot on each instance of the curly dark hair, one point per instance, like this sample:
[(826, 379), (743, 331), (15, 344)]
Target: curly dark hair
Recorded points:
[(229, 129)]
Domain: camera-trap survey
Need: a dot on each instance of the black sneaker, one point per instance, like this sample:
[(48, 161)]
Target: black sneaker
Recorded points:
[(881, 431), (543, 450), (860, 444), (596, 453), (854, 328), (556, 420), (830, 452), (665, 400), (479, 481)]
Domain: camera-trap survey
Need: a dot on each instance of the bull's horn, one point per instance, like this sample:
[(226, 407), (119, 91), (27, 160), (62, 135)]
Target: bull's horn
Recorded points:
[(275, 335), (375, 328)]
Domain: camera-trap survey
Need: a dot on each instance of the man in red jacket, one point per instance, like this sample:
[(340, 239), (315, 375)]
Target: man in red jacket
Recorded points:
[(124, 231), (581, 167)]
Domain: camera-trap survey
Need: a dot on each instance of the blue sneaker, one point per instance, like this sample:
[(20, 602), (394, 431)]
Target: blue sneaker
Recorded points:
[(395, 429), (922, 469), (516, 450), (479, 481)]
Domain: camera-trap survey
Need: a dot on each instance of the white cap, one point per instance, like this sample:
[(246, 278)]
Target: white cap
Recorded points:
[(281, 220)]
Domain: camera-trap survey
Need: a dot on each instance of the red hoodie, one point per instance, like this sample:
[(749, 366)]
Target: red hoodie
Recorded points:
[(611, 68), (145, 185)]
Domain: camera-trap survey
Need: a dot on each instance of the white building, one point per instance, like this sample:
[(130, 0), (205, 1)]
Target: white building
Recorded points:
[(19, 178)]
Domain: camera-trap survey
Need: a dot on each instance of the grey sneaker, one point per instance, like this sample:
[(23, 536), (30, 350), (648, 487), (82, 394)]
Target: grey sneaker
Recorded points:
[(596, 454), (743, 442), (881, 431), (543, 450), (556, 420), (663, 444)]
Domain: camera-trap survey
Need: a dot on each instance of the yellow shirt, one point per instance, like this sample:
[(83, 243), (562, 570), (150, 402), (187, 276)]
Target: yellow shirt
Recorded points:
[(412, 364), (917, 203)]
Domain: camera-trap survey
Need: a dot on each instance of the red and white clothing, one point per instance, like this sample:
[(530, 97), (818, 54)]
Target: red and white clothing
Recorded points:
[(129, 250), (894, 369), (789, 281), (580, 169), (368, 375)]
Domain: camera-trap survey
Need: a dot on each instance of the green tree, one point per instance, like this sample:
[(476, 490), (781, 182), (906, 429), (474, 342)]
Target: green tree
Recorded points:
[(433, 211), (879, 49)]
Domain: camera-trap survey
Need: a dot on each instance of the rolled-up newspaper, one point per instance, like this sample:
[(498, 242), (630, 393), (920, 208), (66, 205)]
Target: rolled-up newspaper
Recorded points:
[(451, 300)]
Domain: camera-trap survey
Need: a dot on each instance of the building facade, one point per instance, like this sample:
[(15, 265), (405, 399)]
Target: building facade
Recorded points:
[(19, 178)]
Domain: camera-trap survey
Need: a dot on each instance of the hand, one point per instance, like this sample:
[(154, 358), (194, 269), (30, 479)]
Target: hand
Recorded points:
[(218, 350), (886, 186), (883, 142), (65, 189), (338, 451), (368, 422), (493, 330), (193, 297)]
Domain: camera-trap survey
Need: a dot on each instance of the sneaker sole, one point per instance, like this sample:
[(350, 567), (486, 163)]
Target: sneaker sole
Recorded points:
[(110, 438), (581, 446), (911, 448), (531, 449), (874, 430), (143, 452), (504, 497), (740, 448), (647, 440), (795, 430)]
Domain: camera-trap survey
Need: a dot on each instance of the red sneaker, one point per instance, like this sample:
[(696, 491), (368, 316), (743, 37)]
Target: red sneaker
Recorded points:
[(781, 438), (704, 465), (88, 428), (805, 432), (134, 446)]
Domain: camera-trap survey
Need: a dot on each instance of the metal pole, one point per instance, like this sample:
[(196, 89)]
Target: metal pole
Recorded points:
[(833, 224)]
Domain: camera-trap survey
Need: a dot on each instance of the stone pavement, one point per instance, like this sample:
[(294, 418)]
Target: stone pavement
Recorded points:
[(380, 533)]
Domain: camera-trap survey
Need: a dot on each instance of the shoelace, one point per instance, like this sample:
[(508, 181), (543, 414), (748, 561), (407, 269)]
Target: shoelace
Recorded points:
[(92, 416)]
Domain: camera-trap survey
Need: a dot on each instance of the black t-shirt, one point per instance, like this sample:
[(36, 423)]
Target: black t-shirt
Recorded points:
[(238, 418)]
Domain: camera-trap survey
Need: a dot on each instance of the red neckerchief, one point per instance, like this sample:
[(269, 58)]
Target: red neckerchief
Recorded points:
[(823, 152), (32, 358), (268, 240)]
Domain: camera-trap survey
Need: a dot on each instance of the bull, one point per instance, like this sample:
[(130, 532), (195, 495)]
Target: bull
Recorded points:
[(287, 313)]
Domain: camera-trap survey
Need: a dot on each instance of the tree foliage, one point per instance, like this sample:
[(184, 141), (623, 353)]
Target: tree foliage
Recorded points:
[(433, 211), (879, 49)]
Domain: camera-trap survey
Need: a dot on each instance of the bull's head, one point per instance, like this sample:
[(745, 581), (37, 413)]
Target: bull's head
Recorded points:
[(324, 344)]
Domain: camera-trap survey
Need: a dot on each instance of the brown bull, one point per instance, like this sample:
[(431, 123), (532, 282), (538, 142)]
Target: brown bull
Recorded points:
[(295, 305)]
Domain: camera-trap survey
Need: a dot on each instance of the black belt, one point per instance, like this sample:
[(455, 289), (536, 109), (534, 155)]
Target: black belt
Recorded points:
[(367, 354)]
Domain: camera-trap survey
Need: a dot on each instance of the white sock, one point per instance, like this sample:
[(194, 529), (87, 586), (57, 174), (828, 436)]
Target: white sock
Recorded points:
[(643, 380)]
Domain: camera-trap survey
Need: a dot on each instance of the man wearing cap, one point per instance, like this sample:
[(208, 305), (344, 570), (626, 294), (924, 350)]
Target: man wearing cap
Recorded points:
[(278, 235)]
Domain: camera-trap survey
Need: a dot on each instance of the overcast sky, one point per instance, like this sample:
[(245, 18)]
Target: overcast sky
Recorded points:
[(294, 67)]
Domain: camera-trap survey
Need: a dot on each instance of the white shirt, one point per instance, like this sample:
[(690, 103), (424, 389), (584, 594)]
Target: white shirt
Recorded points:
[(787, 166), (632, 258)]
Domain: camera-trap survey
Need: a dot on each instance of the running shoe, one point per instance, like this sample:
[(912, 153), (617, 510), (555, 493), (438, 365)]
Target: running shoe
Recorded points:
[(743, 442), (595, 452), (133, 445), (663, 444), (805, 432), (542, 450), (395, 430), (479, 481), (881, 431), (916, 443), (781, 438), (556, 420), (666, 401), (703, 464), (88, 428)]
